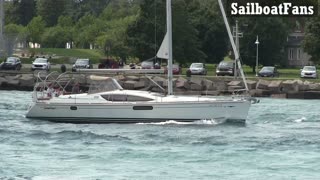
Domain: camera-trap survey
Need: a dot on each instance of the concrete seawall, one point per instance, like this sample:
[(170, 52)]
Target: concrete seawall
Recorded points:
[(195, 85)]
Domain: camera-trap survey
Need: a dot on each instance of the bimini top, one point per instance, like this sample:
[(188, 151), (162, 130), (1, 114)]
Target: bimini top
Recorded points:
[(102, 84)]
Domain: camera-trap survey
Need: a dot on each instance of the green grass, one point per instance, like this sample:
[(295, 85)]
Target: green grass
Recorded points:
[(227, 58)]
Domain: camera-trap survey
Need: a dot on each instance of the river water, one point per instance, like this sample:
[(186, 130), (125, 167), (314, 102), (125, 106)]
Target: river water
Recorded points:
[(281, 140)]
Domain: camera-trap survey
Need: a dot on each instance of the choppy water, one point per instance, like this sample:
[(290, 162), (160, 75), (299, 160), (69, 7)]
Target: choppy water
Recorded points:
[(281, 140)]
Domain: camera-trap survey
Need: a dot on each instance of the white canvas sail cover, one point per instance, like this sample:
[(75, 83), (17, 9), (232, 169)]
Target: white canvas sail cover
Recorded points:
[(163, 51)]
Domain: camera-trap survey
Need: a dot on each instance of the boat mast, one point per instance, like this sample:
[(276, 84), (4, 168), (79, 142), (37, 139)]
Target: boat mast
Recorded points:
[(236, 53), (169, 32)]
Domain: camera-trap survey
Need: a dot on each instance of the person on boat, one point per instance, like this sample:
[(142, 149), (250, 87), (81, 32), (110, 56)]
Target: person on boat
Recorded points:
[(50, 90), (76, 89), (57, 92), (121, 64)]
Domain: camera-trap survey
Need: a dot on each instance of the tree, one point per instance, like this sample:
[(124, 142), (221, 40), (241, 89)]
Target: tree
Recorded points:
[(311, 42), (50, 10), (144, 33), (117, 17), (113, 41), (35, 29), (79, 8), (26, 11), (94, 7), (20, 11), (185, 36), (13, 33), (54, 37), (206, 17), (59, 35), (67, 25), (272, 32), (86, 31), (10, 10), (14, 29)]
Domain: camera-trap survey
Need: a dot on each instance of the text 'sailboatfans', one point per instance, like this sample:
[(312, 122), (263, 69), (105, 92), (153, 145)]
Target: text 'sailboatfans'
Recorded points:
[(272, 8)]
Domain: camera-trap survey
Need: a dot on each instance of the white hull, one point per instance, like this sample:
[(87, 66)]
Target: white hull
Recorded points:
[(134, 112)]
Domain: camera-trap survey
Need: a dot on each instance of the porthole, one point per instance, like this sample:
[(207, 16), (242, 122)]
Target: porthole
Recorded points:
[(73, 107), (142, 108)]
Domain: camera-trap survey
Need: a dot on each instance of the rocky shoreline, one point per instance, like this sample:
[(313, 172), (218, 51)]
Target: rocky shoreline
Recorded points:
[(195, 85)]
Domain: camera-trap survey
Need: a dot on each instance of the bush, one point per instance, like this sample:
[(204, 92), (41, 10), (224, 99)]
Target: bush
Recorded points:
[(27, 60)]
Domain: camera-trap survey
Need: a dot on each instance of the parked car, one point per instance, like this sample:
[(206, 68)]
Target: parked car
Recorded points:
[(309, 72), (268, 71), (198, 68), (40, 64), (225, 68), (176, 69), (11, 63), (149, 64), (82, 64)]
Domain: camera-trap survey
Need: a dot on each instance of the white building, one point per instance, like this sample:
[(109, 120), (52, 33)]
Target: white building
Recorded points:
[(296, 55)]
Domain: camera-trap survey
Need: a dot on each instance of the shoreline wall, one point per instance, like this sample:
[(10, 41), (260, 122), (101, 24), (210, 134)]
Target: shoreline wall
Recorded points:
[(195, 85)]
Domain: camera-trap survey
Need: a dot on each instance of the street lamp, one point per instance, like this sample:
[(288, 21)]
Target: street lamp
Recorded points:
[(257, 63)]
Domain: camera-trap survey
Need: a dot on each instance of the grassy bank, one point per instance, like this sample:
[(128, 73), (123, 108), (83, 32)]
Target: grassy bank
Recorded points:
[(80, 53)]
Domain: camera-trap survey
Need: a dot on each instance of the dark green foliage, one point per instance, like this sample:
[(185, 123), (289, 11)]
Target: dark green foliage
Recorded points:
[(11, 9), (79, 8), (207, 19), (136, 28), (12, 32), (272, 32), (116, 19), (35, 29), (87, 29), (51, 10), (26, 11), (146, 35), (312, 39), (55, 37), (20, 11), (186, 44)]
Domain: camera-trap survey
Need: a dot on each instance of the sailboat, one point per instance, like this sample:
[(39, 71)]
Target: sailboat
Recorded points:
[(107, 102)]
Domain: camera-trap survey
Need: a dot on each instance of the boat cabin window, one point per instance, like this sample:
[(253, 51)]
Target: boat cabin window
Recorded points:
[(97, 86), (124, 97)]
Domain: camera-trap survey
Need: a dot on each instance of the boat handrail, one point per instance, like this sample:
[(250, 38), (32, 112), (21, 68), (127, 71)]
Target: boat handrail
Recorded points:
[(49, 79), (238, 91), (156, 83)]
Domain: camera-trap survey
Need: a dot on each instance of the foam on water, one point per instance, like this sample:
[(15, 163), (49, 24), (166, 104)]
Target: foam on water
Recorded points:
[(300, 120), (199, 122)]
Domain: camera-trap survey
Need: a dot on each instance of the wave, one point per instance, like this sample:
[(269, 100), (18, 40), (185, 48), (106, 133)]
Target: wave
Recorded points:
[(199, 122), (300, 120), (19, 177), (62, 177), (210, 141), (284, 142), (90, 135), (13, 106)]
